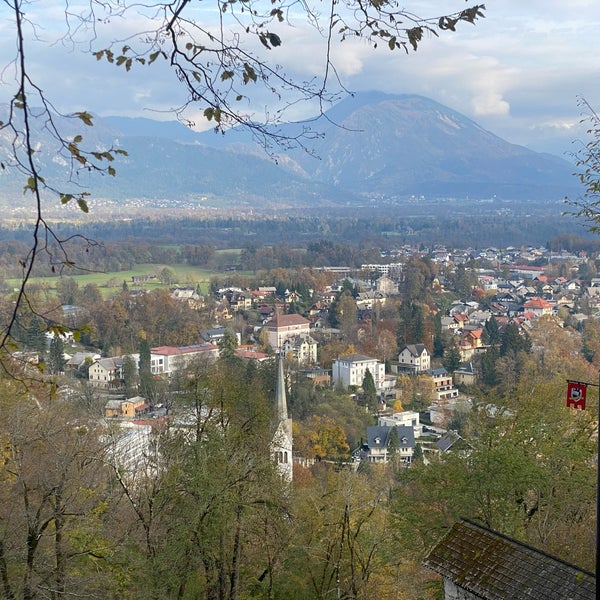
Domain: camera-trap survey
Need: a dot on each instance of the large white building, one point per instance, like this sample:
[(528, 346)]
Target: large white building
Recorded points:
[(351, 370)]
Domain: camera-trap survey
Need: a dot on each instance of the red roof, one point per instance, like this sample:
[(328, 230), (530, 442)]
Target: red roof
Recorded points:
[(537, 302), (287, 321)]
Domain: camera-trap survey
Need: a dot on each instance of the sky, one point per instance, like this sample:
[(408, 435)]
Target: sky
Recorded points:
[(519, 73)]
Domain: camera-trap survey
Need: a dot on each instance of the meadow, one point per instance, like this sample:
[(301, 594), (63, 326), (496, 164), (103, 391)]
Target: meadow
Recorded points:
[(111, 282)]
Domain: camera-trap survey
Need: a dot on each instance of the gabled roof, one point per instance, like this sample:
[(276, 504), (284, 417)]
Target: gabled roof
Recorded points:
[(415, 349), (495, 567), (537, 303), (378, 436)]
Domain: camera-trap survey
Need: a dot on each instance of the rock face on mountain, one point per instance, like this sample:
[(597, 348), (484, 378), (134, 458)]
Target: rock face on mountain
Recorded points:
[(371, 146)]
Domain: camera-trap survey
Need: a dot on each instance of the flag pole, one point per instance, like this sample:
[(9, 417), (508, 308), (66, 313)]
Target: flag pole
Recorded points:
[(598, 490)]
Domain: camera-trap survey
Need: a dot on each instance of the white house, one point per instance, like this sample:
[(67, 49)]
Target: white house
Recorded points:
[(414, 358), (106, 372), (168, 359), (350, 370), (407, 418), (379, 447), (303, 347)]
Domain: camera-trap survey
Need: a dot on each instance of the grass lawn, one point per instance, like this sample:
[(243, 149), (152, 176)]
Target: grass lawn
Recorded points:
[(109, 283)]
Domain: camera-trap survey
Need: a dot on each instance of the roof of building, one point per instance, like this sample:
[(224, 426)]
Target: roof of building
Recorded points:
[(378, 436), (173, 351), (537, 302), (287, 320), (415, 349), (356, 358), (495, 567)]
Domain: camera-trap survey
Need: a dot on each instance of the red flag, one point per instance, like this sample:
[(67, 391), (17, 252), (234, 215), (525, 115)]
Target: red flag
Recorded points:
[(576, 391)]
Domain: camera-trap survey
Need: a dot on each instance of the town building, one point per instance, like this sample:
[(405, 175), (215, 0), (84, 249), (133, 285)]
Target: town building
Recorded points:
[(350, 370), (384, 443), (413, 359), (283, 327)]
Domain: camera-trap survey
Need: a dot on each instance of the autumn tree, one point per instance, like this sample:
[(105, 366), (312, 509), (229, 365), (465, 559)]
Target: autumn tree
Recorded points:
[(345, 544), (55, 534), (320, 437)]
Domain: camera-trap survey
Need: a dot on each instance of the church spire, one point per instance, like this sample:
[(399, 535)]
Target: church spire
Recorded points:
[(280, 395), (281, 446)]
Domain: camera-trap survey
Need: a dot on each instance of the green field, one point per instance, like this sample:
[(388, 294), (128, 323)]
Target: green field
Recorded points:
[(109, 283)]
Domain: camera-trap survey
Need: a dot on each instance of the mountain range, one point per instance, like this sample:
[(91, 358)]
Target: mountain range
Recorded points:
[(370, 147)]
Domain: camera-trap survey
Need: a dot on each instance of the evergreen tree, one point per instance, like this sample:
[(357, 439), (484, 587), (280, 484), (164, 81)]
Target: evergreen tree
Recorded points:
[(130, 376), (451, 360), (56, 359), (369, 389), (438, 339), (228, 345), (393, 443), (491, 331), (146, 382), (513, 341)]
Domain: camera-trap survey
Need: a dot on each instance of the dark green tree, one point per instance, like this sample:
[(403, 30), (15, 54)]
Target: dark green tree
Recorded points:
[(228, 345), (130, 376), (146, 380), (451, 360), (393, 443), (491, 331), (369, 390), (513, 340), (56, 359)]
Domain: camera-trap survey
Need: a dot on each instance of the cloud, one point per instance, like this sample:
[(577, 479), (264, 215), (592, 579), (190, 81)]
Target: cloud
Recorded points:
[(518, 72)]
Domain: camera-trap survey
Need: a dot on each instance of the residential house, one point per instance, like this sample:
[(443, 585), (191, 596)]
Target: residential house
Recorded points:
[(369, 299), (168, 359), (414, 359), (386, 285), (407, 418), (106, 372), (130, 408), (303, 348), (470, 341), (350, 370), (465, 374), (538, 306), (452, 441), (283, 327), (249, 353), (381, 445), (187, 295), (79, 359), (319, 377), (443, 387), (478, 563)]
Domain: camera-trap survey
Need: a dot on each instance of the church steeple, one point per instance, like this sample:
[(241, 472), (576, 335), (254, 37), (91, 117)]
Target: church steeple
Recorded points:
[(281, 446), (280, 395)]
